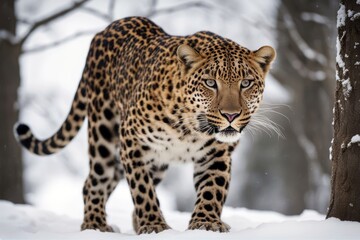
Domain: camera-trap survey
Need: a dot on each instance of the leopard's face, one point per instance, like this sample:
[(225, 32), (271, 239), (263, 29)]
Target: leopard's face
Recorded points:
[(224, 89), (226, 106)]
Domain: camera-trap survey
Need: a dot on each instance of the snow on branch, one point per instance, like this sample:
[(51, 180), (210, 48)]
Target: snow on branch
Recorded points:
[(353, 16), (303, 70), (354, 140), (8, 36), (341, 16), (315, 17), (300, 42), (346, 87)]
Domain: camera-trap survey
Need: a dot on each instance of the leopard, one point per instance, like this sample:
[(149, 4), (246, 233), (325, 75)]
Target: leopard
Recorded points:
[(152, 99)]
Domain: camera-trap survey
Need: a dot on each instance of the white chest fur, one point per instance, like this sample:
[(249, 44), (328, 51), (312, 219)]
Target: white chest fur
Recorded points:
[(167, 148)]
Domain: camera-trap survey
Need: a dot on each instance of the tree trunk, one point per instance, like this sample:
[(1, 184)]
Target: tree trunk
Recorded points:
[(11, 169), (345, 184)]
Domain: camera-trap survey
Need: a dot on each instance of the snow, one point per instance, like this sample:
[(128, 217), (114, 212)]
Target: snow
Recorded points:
[(339, 59), (356, 16), (330, 148), (341, 16), (346, 87), (357, 1), (353, 16), (8, 37), (314, 17), (355, 139), (346, 84), (350, 13), (27, 222)]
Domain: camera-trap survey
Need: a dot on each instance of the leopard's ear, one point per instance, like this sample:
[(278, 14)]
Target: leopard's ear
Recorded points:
[(264, 56), (188, 56)]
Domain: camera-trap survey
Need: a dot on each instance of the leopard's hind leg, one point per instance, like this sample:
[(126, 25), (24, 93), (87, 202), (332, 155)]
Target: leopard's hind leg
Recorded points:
[(105, 167)]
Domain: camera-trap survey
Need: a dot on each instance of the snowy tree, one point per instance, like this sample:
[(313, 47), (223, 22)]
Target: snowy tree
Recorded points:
[(11, 48), (345, 151)]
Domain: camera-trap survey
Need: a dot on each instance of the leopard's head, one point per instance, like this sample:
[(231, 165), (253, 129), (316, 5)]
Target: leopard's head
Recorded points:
[(224, 85)]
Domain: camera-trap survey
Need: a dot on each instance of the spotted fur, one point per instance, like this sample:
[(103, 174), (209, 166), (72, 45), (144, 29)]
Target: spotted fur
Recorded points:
[(152, 99)]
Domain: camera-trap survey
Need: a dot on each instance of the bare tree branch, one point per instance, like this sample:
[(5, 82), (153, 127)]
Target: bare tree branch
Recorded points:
[(152, 7), (304, 47), (23, 21), (111, 10), (59, 42), (155, 12), (51, 18), (105, 17), (316, 18)]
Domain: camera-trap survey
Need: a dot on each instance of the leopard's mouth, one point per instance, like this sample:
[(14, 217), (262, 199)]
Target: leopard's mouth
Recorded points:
[(229, 131), (228, 135)]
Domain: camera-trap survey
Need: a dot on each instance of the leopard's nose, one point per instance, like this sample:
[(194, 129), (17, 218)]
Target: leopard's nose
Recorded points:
[(230, 116)]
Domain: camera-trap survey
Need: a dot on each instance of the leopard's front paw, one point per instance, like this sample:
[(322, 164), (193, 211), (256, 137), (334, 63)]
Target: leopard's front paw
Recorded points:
[(212, 225), (152, 228)]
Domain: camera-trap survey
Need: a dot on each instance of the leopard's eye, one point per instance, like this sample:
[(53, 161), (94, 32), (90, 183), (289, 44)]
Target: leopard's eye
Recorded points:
[(245, 83), (210, 83)]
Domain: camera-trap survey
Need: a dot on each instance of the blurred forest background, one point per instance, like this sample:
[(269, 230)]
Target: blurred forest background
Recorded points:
[(43, 45)]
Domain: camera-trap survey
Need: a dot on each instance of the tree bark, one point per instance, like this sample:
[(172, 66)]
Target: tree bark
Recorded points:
[(345, 184), (11, 181)]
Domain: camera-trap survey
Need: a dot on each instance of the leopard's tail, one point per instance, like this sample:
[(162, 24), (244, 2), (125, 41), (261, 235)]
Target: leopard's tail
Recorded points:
[(64, 135)]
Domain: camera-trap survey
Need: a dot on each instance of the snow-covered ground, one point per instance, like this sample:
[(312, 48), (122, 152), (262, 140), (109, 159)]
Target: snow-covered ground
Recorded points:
[(27, 222)]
